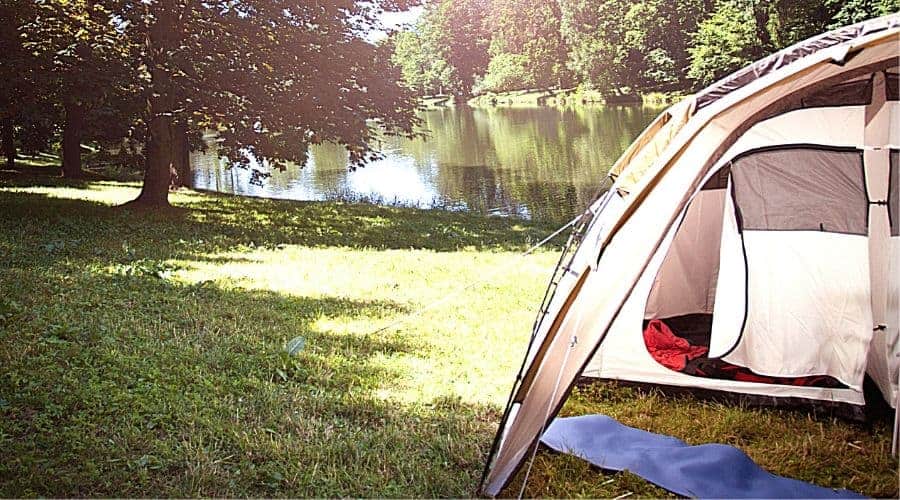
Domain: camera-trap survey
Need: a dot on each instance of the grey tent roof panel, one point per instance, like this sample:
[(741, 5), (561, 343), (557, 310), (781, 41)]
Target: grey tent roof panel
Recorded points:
[(780, 59)]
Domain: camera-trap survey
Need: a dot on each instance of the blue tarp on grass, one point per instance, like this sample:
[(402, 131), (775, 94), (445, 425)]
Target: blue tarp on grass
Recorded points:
[(704, 471)]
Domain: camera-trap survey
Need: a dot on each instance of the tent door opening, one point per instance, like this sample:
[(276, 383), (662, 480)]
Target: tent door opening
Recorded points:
[(767, 277)]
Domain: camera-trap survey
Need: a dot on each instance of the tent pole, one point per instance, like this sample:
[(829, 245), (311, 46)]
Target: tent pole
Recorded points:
[(895, 442), (537, 442)]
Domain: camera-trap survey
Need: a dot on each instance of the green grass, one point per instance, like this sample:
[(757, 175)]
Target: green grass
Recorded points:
[(143, 355)]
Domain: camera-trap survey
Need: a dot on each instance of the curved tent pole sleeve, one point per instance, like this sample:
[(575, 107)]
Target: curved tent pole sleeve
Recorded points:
[(520, 382), (896, 438), (571, 247)]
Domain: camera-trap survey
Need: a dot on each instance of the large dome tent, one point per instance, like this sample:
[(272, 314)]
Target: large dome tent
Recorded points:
[(750, 243)]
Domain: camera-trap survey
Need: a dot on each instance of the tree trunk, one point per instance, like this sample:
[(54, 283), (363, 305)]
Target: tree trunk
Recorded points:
[(9, 142), (71, 143), (160, 161), (181, 171), (160, 148), (762, 14)]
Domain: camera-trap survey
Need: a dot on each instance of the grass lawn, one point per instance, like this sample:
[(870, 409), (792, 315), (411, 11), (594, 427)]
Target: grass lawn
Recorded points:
[(143, 355)]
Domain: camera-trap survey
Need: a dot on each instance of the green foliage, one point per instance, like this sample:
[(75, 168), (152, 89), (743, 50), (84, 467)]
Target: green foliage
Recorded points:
[(526, 47), (461, 31), (724, 42), (610, 42), (741, 31), (507, 72), (621, 46), (796, 20), (596, 36), (90, 73), (27, 115), (422, 64), (854, 11)]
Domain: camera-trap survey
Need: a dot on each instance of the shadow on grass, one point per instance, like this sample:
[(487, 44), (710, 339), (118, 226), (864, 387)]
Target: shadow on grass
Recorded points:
[(128, 384), (117, 381), (215, 223)]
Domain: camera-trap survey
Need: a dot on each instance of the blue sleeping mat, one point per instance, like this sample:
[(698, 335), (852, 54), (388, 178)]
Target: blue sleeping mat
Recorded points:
[(704, 471)]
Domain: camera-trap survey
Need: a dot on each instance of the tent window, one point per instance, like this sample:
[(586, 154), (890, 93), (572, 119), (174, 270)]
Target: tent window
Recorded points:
[(892, 81), (801, 188), (894, 193), (852, 93)]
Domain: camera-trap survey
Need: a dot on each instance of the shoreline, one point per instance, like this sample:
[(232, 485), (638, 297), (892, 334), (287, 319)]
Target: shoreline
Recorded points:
[(555, 98)]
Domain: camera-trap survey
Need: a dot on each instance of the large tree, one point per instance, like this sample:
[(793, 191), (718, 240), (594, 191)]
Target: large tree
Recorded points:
[(422, 61), (272, 77), (463, 34), (526, 47), (89, 66), (725, 41), (26, 112), (639, 45)]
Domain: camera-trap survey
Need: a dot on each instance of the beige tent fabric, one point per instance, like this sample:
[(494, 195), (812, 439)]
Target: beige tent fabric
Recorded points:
[(635, 162), (606, 209), (883, 364), (645, 137), (766, 97), (638, 234), (891, 338), (834, 126), (731, 291), (686, 283), (877, 133), (805, 314)]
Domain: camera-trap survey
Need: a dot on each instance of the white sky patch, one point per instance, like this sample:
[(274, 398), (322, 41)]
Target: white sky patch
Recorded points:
[(395, 21), (393, 182)]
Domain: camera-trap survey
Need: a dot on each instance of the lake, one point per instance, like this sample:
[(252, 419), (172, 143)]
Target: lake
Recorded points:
[(540, 163)]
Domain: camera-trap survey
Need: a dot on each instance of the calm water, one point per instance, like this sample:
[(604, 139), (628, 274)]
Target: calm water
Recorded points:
[(537, 163)]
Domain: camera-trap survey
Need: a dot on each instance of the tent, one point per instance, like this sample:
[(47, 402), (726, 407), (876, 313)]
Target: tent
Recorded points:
[(749, 244)]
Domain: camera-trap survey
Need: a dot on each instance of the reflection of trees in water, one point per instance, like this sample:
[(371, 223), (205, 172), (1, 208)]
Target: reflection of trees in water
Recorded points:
[(545, 163), (327, 167)]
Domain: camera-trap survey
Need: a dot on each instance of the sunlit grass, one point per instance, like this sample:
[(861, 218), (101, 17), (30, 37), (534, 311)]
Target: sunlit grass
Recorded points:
[(143, 355)]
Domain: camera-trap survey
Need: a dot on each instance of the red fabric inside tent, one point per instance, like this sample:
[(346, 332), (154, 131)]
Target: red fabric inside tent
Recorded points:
[(667, 349), (677, 353)]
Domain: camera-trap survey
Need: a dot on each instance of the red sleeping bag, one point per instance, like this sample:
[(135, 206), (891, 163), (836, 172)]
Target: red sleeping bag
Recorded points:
[(676, 353), (668, 349)]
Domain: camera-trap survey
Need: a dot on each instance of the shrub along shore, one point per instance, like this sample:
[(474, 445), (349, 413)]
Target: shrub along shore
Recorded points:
[(144, 354), (554, 97)]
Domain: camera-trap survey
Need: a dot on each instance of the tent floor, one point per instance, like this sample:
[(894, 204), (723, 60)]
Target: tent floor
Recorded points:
[(693, 331), (875, 410)]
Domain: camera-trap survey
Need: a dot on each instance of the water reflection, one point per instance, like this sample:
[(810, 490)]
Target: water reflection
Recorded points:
[(541, 163)]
